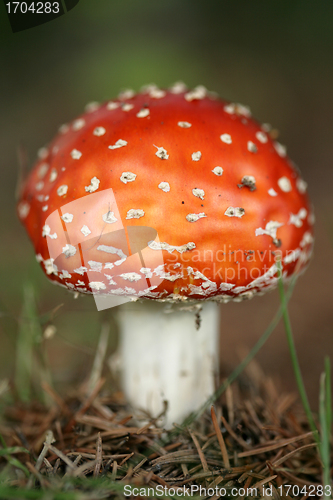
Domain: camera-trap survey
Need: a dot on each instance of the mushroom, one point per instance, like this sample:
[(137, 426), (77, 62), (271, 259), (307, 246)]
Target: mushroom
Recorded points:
[(169, 203)]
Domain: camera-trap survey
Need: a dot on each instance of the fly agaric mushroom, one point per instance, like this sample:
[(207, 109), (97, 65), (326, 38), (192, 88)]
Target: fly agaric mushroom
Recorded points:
[(169, 200)]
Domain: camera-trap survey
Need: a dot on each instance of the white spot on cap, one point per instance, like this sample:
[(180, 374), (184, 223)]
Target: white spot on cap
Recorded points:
[(113, 251), (196, 156), (270, 229), (99, 131), (195, 217), (92, 106), (39, 186), (95, 266), (46, 230), (265, 279), (301, 185), (292, 256), (243, 110), (146, 271), (248, 181), (238, 108), (135, 213), (143, 113), (97, 285), (81, 270), (261, 136), (53, 175), (63, 128), (161, 153), (120, 261), (23, 209), (297, 219), (272, 192), (64, 274), (109, 217), (284, 184), (62, 190), (226, 138), (171, 248), (127, 107), (252, 147), (131, 276), (159, 271), (199, 193), (42, 153), (165, 186), (311, 218), (218, 171), (157, 93), (235, 212), (94, 185), (178, 88), (50, 267), (44, 208), (69, 250), (67, 217), (198, 92), (226, 286), (153, 91), (145, 89), (280, 149), (184, 124), (42, 170), (85, 230), (75, 154), (110, 280), (127, 177), (119, 144), (112, 105), (267, 127), (78, 124), (230, 108), (307, 239), (126, 94)]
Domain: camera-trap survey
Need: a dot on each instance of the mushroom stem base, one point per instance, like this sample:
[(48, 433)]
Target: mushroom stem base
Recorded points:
[(165, 357)]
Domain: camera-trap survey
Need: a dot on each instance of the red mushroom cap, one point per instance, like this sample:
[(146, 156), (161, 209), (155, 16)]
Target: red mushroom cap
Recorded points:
[(167, 195)]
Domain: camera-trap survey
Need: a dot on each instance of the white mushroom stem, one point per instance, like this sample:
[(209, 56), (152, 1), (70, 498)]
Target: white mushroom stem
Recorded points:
[(164, 357)]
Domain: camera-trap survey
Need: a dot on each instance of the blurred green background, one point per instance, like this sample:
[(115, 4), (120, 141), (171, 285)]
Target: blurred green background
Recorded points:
[(275, 56)]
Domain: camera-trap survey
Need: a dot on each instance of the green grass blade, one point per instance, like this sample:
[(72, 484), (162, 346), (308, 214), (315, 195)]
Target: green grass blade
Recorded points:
[(9, 492), (6, 453), (324, 432), (294, 358), (328, 397), (30, 350), (325, 417), (27, 333), (12, 449)]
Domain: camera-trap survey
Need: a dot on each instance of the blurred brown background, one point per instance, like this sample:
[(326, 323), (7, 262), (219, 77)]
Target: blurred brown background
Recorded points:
[(276, 57)]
